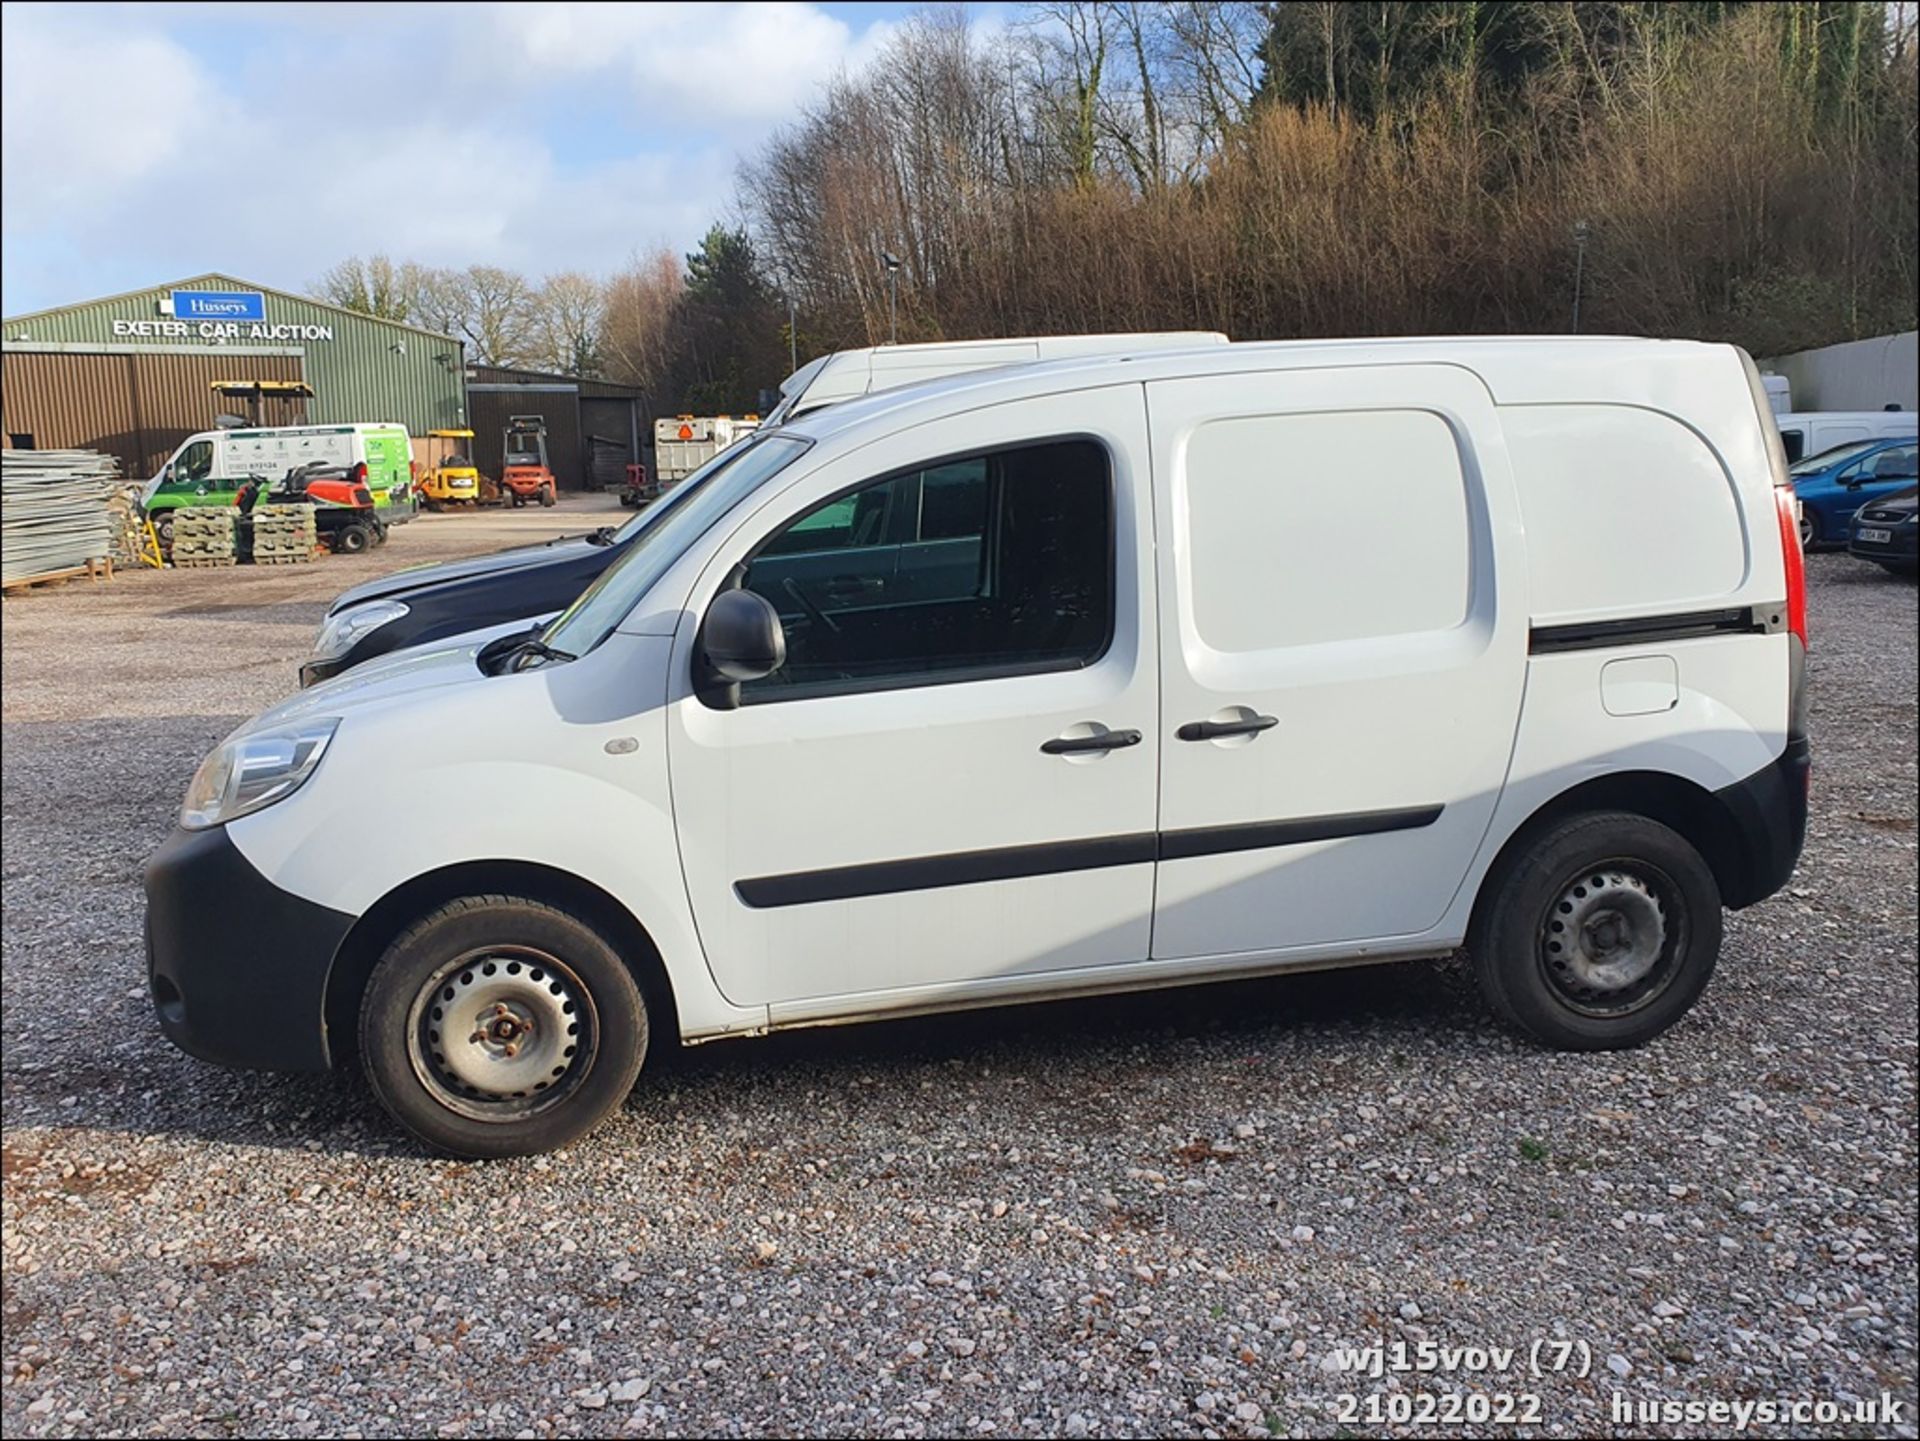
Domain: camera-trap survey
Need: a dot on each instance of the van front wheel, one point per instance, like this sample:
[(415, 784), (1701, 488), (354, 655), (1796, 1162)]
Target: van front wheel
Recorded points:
[(1600, 934), (500, 1026)]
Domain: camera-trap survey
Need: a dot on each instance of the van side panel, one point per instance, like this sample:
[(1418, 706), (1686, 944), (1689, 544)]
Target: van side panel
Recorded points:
[(1626, 509)]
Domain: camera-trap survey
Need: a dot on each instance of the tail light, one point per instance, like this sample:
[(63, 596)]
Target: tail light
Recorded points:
[(359, 476), (1794, 559)]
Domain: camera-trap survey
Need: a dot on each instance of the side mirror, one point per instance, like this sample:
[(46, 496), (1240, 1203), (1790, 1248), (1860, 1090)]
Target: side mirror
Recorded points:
[(741, 639)]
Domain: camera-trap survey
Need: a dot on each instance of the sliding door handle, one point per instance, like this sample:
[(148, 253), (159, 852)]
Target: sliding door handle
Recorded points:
[(1212, 730), (1075, 745)]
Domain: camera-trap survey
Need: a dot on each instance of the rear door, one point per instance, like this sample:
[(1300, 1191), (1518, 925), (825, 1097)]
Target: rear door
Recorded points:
[(1343, 633)]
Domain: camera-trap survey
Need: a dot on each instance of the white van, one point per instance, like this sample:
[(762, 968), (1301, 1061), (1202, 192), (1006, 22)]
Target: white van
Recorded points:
[(1068, 678), (210, 467), (1808, 432), (847, 374)]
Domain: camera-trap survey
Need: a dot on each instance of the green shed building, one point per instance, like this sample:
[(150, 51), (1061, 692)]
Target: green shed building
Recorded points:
[(135, 374)]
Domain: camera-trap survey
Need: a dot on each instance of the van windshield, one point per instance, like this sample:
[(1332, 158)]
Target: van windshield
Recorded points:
[(732, 475)]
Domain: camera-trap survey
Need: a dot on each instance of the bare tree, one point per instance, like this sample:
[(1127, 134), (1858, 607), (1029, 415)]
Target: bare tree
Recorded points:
[(569, 316), (637, 339), (374, 286)]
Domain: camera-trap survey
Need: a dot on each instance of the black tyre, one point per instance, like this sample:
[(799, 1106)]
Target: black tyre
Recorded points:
[(518, 500), (352, 539), (1599, 933), (163, 531), (628, 502), (499, 1026), (547, 497)]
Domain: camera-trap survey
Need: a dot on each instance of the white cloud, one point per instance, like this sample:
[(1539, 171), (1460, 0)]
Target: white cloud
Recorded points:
[(141, 145), (84, 112), (743, 62)]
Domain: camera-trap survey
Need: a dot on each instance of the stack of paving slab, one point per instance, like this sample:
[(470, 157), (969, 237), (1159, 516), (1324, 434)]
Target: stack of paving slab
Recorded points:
[(283, 534), (53, 511), (205, 536)]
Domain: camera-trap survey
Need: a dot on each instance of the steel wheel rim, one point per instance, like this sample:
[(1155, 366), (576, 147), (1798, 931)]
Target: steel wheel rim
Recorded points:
[(1612, 940), (500, 1033)]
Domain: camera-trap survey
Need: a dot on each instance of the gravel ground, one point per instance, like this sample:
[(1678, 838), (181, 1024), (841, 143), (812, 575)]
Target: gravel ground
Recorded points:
[(1156, 1215)]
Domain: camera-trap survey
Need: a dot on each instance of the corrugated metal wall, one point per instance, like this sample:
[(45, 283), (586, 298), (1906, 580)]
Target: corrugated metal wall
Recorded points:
[(370, 370), (574, 409), (493, 408), (136, 407), (612, 421)]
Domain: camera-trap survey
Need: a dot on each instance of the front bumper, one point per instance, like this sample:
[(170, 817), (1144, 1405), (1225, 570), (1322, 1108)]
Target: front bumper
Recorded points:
[(237, 967), (1903, 549)]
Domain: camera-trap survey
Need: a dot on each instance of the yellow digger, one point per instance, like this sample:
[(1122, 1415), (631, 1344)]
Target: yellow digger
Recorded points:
[(448, 477)]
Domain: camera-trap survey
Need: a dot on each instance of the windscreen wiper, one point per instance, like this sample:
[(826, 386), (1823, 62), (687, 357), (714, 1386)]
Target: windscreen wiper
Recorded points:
[(533, 648), (502, 654)]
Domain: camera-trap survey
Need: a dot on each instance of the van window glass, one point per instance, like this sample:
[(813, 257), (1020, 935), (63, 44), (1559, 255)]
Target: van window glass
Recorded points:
[(196, 462), (999, 564), (1795, 443), (733, 475), (1303, 529)]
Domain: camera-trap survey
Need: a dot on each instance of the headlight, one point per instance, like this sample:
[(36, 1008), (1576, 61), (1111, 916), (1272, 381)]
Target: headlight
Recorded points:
[(340, 633), (245, 774)]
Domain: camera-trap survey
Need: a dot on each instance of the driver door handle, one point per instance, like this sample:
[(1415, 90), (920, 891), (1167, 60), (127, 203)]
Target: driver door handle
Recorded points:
[(1074, 745), (1209, 730)]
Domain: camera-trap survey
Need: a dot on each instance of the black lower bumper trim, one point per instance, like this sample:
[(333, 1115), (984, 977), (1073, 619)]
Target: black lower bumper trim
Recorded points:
[(1769, 810), (237, 966)]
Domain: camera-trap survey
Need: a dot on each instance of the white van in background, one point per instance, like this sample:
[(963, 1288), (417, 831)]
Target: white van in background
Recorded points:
[(846, 374), (1808, 432), (209, 468), (1046, 681)]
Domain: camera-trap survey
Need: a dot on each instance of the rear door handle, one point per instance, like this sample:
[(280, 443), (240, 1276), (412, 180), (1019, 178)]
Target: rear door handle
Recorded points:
[(1210, 730), (1074, 745)]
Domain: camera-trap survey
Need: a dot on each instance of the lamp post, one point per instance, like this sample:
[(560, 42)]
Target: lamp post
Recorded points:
[(793, 338), (1581, 230), (892, 262)]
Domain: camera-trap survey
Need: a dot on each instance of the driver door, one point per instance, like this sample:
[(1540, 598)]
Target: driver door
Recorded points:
[(949, 789)]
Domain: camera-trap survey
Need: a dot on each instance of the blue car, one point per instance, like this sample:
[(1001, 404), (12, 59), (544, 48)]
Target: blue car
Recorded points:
[(1834, 484)]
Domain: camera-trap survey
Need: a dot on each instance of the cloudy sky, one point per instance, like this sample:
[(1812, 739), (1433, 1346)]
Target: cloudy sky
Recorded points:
[(146, 143)]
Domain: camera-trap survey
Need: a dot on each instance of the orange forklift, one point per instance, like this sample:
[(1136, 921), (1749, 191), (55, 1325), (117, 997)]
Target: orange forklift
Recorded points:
[(524, 474)]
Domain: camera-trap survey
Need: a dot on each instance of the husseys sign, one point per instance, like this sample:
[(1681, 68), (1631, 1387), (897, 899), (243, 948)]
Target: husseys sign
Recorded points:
[(220, 315)]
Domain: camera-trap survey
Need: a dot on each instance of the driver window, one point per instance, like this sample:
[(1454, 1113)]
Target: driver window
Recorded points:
[(195, 463), (998, 564)]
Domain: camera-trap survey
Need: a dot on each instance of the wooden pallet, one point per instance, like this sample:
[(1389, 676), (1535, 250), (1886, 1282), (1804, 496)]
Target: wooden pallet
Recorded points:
[(201, 562), (283, 557), (94, 570)]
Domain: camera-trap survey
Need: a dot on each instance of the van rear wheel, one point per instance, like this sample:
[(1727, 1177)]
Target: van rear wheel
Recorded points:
[(501, 1026), (1600, 934)]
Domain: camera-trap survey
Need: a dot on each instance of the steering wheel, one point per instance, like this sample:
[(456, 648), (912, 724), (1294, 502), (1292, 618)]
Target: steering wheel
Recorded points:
[(806, 603)]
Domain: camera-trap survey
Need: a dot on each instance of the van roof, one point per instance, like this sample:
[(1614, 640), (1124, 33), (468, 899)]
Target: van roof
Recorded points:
[(845, 374), (1521, 369)]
